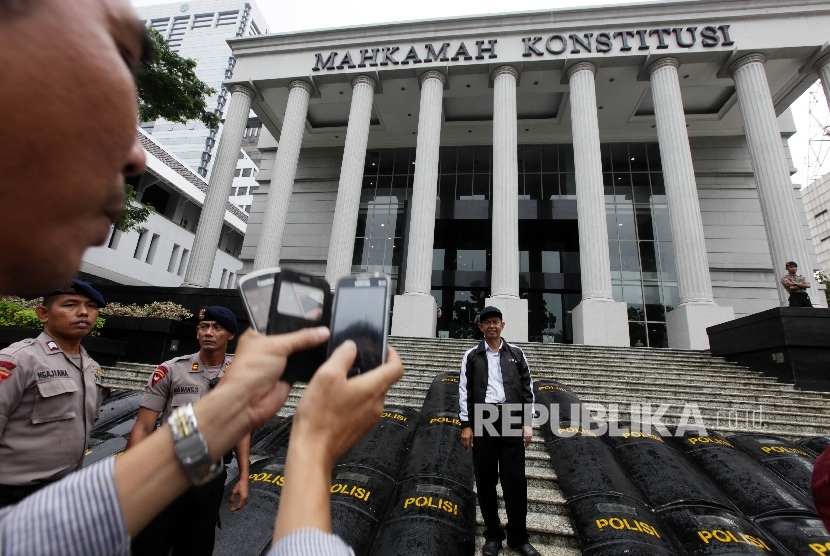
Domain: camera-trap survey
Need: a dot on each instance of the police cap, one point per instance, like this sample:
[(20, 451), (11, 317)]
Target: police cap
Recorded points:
[(79, 287), (222, 315), (488, 311)]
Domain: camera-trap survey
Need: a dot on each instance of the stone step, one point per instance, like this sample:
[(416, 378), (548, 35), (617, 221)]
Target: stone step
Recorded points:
[(544, 543), (545, 529)]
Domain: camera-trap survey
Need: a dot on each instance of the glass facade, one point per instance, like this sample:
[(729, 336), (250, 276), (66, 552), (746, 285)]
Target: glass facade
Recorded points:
[(639, 233), (642, 262)]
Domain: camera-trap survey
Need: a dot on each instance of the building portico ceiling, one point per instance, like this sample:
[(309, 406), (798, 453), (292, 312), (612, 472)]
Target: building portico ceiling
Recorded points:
[(622, 42)]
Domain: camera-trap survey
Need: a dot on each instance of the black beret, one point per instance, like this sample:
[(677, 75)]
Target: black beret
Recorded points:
[(79, 287), (791, 263), (487, 311), (222, 315)]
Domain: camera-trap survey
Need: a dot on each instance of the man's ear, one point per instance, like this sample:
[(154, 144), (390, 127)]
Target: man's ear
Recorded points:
[(41, 313), (231, 336)]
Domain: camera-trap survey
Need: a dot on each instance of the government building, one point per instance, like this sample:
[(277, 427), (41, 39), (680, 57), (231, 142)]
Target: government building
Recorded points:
[(609, 176)]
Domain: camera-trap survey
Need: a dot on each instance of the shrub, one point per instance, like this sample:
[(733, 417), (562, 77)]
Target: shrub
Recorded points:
[(158, 309)]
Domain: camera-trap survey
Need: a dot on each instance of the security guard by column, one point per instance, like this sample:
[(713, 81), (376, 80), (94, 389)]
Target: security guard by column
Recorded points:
[(188, 525), (496, 373), (50, 395)]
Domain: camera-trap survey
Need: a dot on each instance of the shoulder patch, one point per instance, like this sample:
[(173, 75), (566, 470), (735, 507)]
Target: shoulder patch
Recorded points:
[(4, 375), (7, 365), (159, 374), (194, 367), (52, 345)]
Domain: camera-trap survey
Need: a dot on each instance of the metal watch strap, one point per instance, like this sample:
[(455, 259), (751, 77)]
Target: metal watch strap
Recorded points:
[(191, 448)]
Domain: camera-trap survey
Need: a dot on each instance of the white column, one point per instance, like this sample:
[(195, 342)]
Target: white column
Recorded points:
[(598, 319), (285, 167), (772, 177), (823, 69), (341, 244), (696, 311), (415, 312), (212, 217), (504, 285)]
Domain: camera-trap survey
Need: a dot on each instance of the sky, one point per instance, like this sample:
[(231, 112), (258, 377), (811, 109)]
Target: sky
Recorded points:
[(284, 16)]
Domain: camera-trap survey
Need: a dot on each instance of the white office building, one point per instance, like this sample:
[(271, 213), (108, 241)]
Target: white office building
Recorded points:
[(200, 30), (817, 207), (158, 253)]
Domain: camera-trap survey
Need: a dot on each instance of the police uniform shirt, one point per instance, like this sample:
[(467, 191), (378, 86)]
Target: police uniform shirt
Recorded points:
[(48, 405), (179, 382)]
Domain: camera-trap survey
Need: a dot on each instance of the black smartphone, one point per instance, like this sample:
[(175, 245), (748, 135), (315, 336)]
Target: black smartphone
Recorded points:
[(361, 314), (283, 300)]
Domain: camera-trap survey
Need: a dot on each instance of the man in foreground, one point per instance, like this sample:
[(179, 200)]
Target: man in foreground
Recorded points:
[(797, 285), (188, 525), (50, 395), (496, 373), (68, 68)]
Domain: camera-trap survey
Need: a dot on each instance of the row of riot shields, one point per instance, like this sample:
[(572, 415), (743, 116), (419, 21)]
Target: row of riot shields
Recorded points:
[(405, 489), (635, 492)]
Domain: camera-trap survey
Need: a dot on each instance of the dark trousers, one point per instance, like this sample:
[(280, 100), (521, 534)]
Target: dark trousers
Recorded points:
[(800, 299), (188, 525), (501, 457), (10, 495)]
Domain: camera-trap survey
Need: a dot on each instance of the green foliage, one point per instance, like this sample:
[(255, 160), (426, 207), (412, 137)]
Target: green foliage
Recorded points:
[(157, 309), (168, 88), (134, 213), (99, 324)]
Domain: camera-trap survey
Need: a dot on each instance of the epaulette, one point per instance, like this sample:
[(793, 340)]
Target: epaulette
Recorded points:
[(17, 346)]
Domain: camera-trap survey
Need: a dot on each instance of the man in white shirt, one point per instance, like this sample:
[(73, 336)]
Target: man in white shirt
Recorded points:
[(496, 373)]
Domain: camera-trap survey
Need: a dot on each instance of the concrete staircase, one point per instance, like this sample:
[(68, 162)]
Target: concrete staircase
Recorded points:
[(730, 399)]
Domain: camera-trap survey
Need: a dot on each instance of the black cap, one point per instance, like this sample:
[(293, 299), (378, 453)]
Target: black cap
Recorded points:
[(791, 263), (222, 315), (79, 287), (487, 311)]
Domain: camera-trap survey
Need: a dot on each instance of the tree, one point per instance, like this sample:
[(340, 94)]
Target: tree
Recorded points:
[(168, 88), (134, 214)]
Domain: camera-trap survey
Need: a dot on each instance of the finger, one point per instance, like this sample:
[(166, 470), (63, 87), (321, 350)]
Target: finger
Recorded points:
[(286, 344), (382, 378), (341, 359)]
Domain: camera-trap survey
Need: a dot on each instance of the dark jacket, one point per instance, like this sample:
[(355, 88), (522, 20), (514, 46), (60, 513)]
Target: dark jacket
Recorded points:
[(515, 375)]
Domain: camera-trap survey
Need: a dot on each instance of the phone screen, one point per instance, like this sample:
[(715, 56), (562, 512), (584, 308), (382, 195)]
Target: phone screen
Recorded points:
[(360, 315), (257, 294)]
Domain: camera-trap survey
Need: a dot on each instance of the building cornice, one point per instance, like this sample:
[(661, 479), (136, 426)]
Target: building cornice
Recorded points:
[(642, 14)]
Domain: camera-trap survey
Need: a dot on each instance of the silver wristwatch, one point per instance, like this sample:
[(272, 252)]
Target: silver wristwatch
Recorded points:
[(191, 448)]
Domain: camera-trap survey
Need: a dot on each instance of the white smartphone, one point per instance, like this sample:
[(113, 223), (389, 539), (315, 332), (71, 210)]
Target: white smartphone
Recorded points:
[(361, 313), (256, 290)]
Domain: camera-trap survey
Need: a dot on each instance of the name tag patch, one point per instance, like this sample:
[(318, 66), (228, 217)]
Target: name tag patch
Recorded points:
[(185, 389), (42, 375)]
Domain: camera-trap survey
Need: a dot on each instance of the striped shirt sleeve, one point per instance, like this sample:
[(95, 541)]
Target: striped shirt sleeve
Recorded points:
[(310, 542), (79, 515)]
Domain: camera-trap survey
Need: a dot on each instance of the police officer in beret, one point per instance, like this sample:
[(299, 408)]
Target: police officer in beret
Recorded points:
[(188, 524), (50, 395)]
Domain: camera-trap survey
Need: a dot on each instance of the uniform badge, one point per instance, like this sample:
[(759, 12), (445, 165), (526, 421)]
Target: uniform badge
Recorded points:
[(201, 314), (159, 374), (4, 375), (52, 345), (7, 365), (195, 367), (227, 365)]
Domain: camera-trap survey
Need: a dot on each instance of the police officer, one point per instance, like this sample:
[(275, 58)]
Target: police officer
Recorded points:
[(496, 373), (50, 395), (188, 524)]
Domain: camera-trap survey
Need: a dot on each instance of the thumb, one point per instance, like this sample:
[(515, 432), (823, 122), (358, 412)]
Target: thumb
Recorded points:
[(341, 358)]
